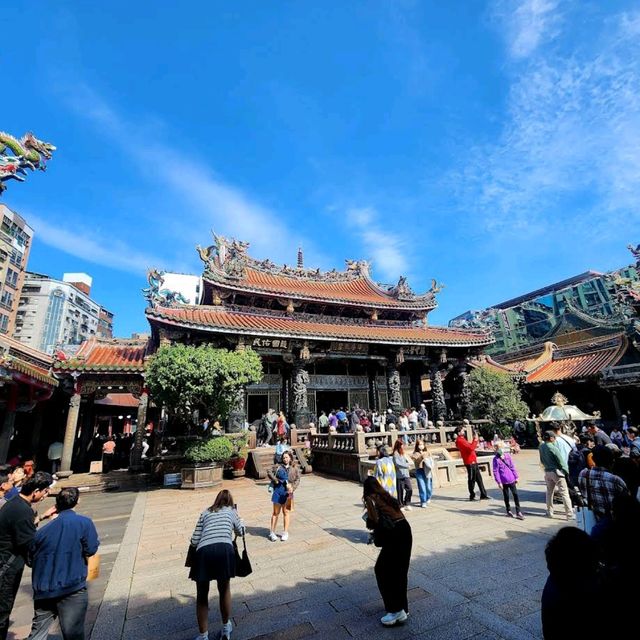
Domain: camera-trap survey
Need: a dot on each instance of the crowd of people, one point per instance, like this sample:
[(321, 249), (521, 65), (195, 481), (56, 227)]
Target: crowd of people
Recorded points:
[(589, 469), (273, 425), (58, 552)]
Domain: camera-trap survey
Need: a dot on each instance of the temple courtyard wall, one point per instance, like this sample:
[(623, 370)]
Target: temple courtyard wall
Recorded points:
[(474, 573)]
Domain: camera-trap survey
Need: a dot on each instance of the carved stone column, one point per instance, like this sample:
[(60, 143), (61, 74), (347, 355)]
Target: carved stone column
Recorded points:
[(8, 423), (70, 431), (415, 384), (374, 403), (237, 415), (301, 413), (465, 397), (393, 389), (136, 459), (438, 404)]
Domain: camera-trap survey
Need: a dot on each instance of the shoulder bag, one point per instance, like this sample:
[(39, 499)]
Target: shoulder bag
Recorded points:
[(243, 564), (584, 514), (383, 530)]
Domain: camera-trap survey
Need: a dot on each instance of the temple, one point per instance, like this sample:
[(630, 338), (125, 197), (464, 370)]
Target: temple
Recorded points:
[(327, 339), (580, 337)]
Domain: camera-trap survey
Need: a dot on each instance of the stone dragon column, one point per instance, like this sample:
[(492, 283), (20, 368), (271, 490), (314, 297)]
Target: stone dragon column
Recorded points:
[(301, 413), (70, 430), (393, 389), (136, 460), (438, 404)]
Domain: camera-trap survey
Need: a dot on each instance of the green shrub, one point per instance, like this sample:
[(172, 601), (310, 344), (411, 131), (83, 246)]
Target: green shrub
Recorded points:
[(218, 449)]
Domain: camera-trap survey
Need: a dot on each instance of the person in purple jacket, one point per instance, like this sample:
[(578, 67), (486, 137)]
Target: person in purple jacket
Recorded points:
[(506, 476)]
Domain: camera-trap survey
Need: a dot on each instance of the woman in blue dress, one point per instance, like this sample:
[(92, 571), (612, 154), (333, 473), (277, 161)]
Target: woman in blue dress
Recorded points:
[(285, 479)]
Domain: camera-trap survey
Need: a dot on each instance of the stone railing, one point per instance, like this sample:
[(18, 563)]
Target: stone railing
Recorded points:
[(353, 454)]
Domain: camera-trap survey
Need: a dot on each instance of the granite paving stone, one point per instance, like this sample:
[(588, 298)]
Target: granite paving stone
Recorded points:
[(474, 573)]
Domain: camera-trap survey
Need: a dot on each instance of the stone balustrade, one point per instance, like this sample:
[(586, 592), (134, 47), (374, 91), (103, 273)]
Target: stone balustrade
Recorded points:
[(353, 454)]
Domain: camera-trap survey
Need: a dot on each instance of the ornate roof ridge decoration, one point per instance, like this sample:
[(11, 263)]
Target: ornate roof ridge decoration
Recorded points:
[(227, 262), (220, 320), (613, 321), (485, 361), (591, 346), (24, 360), (16, 156), (107, 354), (156, 295)]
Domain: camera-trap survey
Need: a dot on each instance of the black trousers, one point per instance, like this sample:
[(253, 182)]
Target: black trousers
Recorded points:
[(9, 585), (475, 477), (392, 568), (405, 490), (514, 492)]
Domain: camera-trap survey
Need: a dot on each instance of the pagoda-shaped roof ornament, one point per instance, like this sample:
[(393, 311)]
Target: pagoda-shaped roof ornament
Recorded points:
[(561, 411)]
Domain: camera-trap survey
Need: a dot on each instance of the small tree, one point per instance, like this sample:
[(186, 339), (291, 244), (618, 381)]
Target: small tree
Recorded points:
[(495, 396), (185, 378)]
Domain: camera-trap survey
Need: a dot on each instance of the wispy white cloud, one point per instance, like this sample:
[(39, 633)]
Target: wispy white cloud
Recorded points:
[(528, 23), (209, 201), (87, 245), (387, 252), (568, 148)]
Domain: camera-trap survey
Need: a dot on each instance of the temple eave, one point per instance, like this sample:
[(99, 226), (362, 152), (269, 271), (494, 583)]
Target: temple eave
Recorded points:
[(247, 324)]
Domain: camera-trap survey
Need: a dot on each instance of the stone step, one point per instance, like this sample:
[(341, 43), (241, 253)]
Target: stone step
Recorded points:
[(112, 481)]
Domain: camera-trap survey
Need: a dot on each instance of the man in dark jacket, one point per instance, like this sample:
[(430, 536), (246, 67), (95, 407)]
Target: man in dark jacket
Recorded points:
[(59, 577), (17, 531)]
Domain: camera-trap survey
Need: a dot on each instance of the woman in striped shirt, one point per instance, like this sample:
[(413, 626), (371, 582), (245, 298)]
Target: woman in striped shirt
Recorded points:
[(215, 560)]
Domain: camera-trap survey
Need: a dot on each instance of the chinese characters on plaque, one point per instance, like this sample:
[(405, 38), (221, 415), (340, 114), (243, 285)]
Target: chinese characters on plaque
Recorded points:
[(270, 343)]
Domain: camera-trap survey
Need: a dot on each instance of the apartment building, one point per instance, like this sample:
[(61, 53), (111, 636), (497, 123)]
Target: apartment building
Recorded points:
[(15, 244), (54, 312)]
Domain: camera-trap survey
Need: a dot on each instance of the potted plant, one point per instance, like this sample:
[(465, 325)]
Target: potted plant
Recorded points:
[(238, 459), (207, 459)]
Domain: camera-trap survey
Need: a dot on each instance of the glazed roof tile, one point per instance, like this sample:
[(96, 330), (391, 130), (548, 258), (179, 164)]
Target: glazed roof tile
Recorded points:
[(106, 355), (357, 291), (24, 360), (581, 366), (217, 319)]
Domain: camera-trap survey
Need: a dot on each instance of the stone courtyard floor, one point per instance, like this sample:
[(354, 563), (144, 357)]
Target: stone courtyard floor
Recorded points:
[(474, 573)]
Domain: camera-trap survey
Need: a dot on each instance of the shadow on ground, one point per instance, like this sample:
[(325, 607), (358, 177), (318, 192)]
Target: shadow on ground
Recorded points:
[(457, 593)]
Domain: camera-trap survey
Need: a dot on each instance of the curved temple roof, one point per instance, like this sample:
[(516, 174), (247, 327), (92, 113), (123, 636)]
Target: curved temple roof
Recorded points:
[(96, 355), (229, 267), (357, 291), (216, 319)]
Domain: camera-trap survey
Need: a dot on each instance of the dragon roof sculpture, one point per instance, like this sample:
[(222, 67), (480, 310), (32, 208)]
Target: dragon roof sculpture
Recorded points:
[(16, 156)]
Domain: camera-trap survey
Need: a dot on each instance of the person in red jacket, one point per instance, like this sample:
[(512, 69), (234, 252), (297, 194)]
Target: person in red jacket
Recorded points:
[(468, 453)]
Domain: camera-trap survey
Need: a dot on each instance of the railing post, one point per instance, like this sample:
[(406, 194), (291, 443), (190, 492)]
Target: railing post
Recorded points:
[(359, 444)]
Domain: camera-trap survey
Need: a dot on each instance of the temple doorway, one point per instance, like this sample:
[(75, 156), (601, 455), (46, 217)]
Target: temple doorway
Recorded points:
[(257, 406), (328, 400)]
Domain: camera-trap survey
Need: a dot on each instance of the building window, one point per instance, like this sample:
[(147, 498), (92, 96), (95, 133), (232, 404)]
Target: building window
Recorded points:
[(12, 278), (52, 320), (4, 323), (6, 300)]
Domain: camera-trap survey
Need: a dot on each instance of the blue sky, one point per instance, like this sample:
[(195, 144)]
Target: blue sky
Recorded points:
[(492, 145)]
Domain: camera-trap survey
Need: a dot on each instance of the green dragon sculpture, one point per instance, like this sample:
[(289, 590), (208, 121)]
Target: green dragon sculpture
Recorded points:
[(16, 156)]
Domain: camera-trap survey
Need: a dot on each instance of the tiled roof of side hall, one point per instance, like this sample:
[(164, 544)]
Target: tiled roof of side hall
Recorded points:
[(106, 355), (220, 320)]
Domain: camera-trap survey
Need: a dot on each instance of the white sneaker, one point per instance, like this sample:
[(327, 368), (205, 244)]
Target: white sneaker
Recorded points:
[(285, 536), (227, 628), (202, 636), (423, 505), (393, 618), (407, 507), (273, 537)]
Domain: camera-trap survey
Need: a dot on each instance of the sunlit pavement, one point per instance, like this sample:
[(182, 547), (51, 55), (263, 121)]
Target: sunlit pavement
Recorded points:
[(474, 572)]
